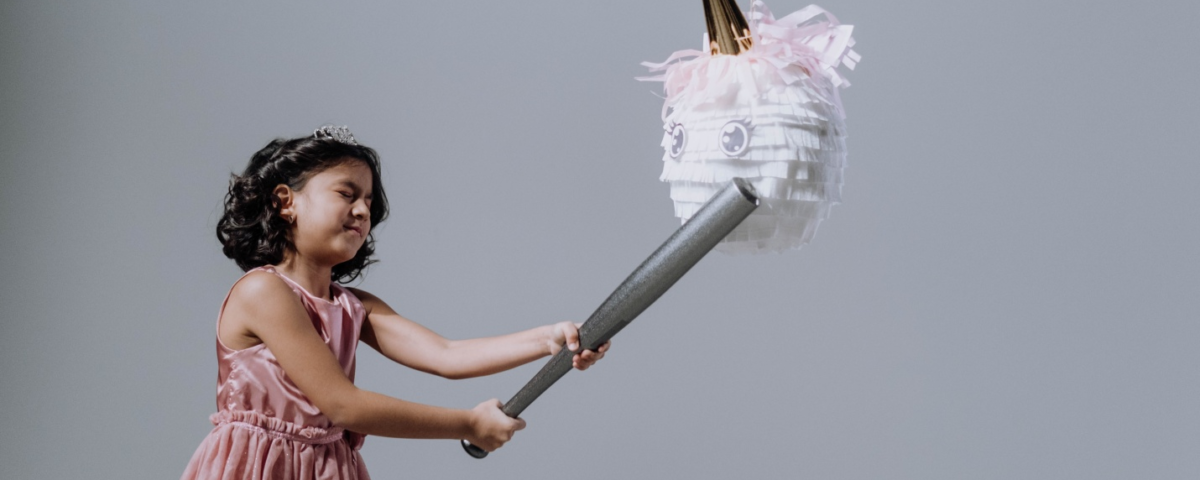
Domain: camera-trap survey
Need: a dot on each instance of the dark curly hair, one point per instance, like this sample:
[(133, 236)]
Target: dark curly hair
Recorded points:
[(252, 231)]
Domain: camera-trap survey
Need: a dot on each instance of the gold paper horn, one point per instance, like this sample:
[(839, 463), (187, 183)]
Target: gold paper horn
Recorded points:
[(728, 32)]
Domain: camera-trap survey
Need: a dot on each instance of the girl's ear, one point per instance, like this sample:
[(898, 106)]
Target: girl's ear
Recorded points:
[(285, 198)]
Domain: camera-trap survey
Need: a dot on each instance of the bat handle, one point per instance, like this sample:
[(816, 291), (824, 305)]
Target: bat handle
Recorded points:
[(473, 450), (558, 366)]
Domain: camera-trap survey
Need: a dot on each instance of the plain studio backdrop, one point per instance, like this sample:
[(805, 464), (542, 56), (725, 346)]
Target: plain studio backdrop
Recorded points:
[(1010, 290)]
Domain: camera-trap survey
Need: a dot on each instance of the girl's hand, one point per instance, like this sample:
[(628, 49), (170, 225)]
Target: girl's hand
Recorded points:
[(568, 333), (491, 427)]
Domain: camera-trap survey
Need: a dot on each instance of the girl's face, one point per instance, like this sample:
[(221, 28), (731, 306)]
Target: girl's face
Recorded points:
[(332, 213)]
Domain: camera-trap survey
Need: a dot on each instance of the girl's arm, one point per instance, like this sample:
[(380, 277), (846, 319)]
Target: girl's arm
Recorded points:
[(263, 308), (415, 346)]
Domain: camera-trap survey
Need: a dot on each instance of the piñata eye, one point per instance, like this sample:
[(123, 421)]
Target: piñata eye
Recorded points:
[(734, 138), (678, 140)]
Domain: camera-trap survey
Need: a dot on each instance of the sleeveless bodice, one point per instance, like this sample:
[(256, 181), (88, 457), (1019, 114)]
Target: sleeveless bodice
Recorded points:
[(251, 380), (259, 408)]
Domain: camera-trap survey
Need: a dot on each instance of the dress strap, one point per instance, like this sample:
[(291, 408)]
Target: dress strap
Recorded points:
[(300, 290)]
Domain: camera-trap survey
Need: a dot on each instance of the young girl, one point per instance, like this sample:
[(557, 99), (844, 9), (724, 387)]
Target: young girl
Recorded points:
[(299, 221)]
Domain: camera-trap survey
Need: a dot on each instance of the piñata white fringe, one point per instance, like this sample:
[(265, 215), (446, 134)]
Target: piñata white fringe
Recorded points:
[(790, 137)]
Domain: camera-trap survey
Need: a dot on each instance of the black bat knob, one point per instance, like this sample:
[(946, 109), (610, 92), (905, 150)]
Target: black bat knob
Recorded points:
[(474, 451)]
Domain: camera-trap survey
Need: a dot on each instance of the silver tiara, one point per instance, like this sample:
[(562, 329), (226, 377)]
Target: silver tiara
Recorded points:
[(337, 133)]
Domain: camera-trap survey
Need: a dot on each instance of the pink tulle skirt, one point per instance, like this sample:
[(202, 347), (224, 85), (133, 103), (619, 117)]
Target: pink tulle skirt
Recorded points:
[(246, 449)]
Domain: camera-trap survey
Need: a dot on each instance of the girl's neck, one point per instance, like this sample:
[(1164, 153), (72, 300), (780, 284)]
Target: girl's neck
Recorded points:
[(313, 277)]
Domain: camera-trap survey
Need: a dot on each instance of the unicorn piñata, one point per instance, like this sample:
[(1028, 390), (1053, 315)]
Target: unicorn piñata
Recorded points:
[(760, 102)]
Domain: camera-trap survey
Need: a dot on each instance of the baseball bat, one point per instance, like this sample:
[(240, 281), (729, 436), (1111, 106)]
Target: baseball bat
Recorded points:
[(711, 223)]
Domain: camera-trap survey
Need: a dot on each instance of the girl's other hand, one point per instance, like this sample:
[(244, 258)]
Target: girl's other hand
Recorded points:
[(568, 333), (492, 428)]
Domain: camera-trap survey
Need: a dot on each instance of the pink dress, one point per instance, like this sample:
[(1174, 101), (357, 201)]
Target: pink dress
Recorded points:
[(265, 427)]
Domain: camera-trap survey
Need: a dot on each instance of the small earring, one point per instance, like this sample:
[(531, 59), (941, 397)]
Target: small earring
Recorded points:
[(290, 219)]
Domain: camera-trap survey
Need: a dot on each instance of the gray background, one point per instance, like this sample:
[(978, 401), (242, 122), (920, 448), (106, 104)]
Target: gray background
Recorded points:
[(1009, 291)]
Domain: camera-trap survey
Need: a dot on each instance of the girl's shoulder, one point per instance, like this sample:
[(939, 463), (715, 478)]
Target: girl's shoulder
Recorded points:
[(369, 302), (260, 299), (261, 280), (262, 287)]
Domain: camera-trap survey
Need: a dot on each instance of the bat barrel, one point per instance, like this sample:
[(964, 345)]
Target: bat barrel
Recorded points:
[(703, 231)]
